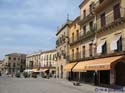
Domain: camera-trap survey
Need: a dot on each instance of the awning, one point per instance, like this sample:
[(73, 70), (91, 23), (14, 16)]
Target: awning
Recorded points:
[(28, 70), (99, 47), (96, 64), (80, 67), (53, 69), (102, 64), (44, 70), (113, 45), (41, 70), (35, 70), (69, 67)]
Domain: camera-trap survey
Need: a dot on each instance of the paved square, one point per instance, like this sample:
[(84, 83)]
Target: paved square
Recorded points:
[(22, 85), (39, 85)]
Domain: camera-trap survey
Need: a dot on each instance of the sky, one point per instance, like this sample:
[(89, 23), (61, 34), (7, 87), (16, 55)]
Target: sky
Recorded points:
[(28, 26)]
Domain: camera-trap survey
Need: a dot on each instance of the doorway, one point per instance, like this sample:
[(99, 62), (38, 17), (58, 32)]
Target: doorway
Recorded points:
[(61, 71), (105, 77), (120, 74)]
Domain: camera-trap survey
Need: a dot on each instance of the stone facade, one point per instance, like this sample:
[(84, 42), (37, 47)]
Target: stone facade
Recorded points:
[(15, 62), (48, 60), (62, 49), (33, 60)]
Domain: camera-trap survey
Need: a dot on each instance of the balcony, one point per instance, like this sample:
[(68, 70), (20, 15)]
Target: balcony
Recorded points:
[(88, 17), (61, 41), (75, 58), (75, 40), (79, 57), (88, 33), (101, 4), (81, 37), (111, 20)]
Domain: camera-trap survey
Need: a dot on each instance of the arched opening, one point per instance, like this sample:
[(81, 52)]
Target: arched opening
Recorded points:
[(61, 71), (120, 74)]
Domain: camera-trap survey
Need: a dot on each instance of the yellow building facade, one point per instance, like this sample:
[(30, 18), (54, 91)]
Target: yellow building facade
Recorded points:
[(62, 46), (110, 20), (48, 61), (33, 61), (97, 46), (74, 36)]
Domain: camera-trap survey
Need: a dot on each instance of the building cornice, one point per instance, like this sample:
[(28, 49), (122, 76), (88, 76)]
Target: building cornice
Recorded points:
[(66, 24), (83, 3)]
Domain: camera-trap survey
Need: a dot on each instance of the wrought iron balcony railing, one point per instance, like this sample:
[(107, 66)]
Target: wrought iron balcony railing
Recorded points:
[(82, 36)]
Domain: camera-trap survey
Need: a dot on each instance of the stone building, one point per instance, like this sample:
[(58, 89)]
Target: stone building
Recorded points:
[(33, 61), (62, 45), (48, 61), (15, 62), (1, 65), (101, 45)]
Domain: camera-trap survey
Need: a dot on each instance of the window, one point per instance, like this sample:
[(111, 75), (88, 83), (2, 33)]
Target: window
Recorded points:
[(64, 34), (104, 48), (90, 8), (77, 34), (31, 64), (47, 64), (90, 49), (9, 58), (14, 65), (14, 58), (77, 53), (50, 57), (50, 64), (119, 45), (116, 10), (91, 25), (47, 58), (84, 30), (9, 65), (72, 54), (72, 37), (83, 50), (53, 57), (18, 58), (84, 14), (103, 20)]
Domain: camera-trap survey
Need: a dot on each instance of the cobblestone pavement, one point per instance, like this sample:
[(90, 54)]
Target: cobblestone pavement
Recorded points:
[(39, 85)]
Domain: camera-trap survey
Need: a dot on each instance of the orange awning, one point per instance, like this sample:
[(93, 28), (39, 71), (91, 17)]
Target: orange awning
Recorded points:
[(80, 67), (96, 64), (68, 67), (44, 70), (102, 64)]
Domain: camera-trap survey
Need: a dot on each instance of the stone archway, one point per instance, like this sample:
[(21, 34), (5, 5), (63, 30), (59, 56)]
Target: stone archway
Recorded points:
[(120, 74)]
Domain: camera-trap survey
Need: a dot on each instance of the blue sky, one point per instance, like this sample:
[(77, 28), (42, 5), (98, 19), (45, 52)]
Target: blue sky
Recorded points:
[(27, 26)]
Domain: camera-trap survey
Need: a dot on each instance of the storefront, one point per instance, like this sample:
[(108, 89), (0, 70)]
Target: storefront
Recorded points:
[(68, 69), (101, 71), (82, 74)]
